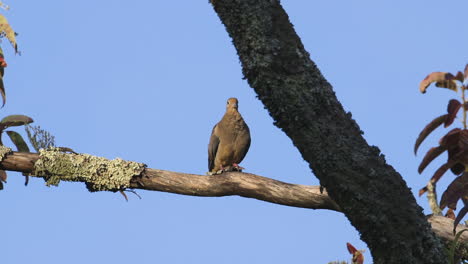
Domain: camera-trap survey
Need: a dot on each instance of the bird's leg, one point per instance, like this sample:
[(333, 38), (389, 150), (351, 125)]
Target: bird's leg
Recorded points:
[(236, 167)]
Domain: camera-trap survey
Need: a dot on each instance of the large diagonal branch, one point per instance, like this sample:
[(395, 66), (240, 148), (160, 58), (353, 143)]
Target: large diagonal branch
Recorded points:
[(227, 184), (372, 195)]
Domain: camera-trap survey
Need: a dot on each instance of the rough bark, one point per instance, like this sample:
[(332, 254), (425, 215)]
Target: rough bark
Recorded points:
[(372, 195), (227, 184)]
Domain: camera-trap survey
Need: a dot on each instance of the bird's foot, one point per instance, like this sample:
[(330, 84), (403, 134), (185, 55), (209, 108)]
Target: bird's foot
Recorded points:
[(211, 173), (222, 169), (233, 167), (236, 167)]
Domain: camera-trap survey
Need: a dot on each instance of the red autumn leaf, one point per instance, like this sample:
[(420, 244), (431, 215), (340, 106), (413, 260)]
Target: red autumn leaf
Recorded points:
[(456, 142), (428, 129), (2, 72), (451, 138), (460, 216), (430, 156), (422, 191), (452, 110), (459, 76), (351, 248), (458, 168), (358, 258), (442, 79), (442, 170), (456, 189), (3, 63)]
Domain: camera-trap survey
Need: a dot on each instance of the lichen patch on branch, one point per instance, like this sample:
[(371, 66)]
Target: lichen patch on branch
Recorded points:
[(98, 173), (4, 151)]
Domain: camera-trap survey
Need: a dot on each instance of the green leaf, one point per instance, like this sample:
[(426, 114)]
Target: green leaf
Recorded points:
[(454, 246), (18, 140), (15, 120)]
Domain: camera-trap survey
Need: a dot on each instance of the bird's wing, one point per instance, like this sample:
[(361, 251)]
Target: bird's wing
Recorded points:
[(212, 148), (246, 147)]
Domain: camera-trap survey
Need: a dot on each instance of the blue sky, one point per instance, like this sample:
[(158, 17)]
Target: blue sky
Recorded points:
[(147, 80)]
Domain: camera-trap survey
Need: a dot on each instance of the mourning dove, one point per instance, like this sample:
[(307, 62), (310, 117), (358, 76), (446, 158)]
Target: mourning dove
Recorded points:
[(229, 141)]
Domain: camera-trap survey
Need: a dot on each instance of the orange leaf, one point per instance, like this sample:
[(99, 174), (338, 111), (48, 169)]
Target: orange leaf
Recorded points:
[(442, 79), (450, 214), (430, 156), (452, 110), (428, 129)]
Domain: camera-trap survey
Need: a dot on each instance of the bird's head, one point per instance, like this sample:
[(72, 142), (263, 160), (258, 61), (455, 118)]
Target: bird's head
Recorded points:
[(232, 103)]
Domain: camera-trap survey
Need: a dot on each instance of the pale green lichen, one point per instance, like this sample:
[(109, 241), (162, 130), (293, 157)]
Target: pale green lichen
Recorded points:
[(4, 151), (98, 173)]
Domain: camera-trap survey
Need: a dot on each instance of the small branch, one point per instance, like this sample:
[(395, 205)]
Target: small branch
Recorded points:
[(228, 184), (432, 198)]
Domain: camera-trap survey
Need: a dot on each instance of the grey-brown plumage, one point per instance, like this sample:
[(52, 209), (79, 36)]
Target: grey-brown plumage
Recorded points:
[(229, 141)]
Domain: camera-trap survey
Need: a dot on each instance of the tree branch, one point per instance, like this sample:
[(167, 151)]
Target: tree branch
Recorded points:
[(373, 196), (229, 184)]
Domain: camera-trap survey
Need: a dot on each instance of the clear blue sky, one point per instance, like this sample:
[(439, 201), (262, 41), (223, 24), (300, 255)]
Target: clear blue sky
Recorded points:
[(147, 80)]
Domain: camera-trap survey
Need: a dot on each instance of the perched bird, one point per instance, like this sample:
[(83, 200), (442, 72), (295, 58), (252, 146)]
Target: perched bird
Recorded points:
[(229, 141)]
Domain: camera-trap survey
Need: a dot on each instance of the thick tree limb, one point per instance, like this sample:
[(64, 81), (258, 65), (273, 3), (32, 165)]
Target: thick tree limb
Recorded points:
[(233, 183), (228, 184), (372, 195)]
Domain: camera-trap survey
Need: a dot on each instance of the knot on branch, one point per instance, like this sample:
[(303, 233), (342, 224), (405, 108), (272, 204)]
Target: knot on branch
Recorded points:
[(98, 173)]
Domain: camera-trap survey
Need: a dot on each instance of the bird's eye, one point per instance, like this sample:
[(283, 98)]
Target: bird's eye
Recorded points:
[(227, 102)]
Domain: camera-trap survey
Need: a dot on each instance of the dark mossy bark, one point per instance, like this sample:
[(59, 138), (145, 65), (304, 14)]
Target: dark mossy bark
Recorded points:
[(370, 192)]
